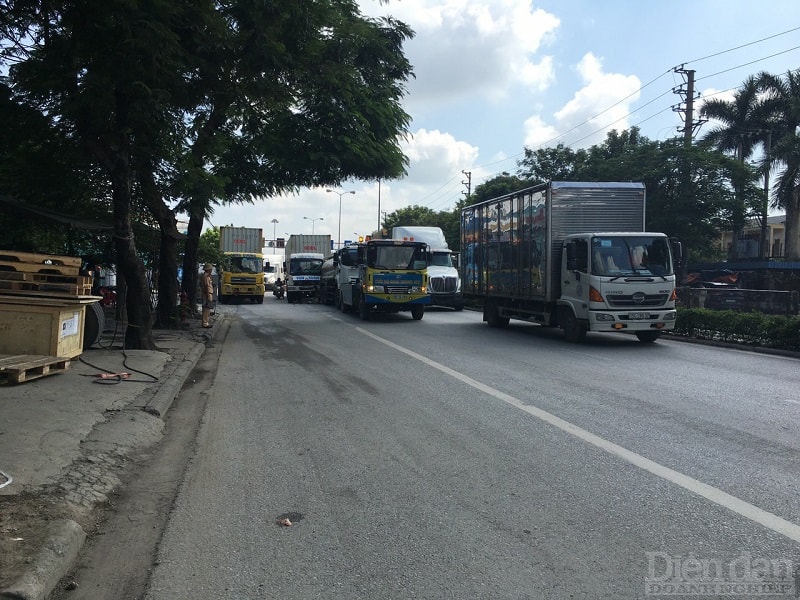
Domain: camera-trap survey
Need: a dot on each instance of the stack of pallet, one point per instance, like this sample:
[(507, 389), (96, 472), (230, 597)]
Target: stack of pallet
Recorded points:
[(42, 308)]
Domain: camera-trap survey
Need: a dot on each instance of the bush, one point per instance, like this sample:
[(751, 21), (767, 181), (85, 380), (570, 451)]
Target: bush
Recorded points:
[(751, 329)]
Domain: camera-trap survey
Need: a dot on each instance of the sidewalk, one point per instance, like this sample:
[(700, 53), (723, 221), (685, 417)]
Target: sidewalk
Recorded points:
[(64, 436)]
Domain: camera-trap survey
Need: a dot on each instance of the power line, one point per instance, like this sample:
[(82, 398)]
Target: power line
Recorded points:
[(745, 46), (639, 108)]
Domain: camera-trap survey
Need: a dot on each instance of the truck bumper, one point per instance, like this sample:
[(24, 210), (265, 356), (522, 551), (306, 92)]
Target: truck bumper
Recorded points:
[(242, 290), (396, 302), (641, 320), (453, 300)]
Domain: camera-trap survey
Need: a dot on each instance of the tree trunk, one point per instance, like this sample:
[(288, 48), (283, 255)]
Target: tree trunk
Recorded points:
[(190, 266), (166, 311), (138, 334)]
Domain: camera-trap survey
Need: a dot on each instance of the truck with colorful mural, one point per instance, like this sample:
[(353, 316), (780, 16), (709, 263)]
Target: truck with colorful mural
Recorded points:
[(382, 276), (573, 255)]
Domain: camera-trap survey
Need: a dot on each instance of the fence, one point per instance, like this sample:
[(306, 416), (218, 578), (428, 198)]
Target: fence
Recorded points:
[(769, 302)]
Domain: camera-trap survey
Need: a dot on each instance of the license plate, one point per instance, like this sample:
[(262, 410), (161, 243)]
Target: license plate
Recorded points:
[(398, 297), (638, 316)]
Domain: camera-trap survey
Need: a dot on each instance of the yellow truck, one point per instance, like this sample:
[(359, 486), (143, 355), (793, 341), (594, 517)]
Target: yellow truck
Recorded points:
[(242, 272)]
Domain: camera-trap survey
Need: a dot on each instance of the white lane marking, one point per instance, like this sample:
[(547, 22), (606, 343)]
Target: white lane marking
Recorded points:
[(737, 505)]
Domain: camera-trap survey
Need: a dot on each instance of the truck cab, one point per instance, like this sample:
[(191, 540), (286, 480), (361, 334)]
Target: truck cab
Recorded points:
[(303, 276), (617, 281)]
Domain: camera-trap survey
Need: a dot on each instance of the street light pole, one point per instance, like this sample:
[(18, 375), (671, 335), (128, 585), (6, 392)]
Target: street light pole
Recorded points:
[(339, 234), (312, 222), (274, 224)]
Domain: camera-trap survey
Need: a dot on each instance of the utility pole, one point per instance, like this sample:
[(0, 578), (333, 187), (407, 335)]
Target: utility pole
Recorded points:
[(687, 105), (765, 250), (467, 183), (688, 129)]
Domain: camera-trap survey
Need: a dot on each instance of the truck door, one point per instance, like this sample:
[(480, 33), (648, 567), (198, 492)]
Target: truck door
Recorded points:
[(575, 276)]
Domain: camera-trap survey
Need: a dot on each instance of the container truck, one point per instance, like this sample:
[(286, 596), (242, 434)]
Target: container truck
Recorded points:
[(571, 255), (385, 276), (242, 274), (304, 257), (444, 281)]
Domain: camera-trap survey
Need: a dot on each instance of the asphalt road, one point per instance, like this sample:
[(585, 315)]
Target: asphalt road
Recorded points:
[(444, 459)]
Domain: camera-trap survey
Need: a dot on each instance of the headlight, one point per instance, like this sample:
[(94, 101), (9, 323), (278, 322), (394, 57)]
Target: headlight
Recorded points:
[(604, 317), (375, 289), (671, 315)]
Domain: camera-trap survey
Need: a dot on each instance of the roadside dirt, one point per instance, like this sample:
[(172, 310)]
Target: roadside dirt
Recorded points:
[(24, 519)]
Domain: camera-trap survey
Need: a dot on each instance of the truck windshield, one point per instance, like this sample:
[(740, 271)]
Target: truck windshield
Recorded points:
[(305, 266), (631, 255), (440, 259), (245, 264), (395, 257)]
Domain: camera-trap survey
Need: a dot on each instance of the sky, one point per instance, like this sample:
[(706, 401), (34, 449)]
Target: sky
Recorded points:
[(493, 77)]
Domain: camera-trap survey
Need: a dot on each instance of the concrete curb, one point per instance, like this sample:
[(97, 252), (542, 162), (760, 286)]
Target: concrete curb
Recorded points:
[(162, 400), (65, 539)]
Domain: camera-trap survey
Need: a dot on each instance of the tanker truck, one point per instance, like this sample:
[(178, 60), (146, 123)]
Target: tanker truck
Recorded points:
[(571, 255)]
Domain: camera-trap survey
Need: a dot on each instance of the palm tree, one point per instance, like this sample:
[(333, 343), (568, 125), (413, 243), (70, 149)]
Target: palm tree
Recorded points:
[(782, 103), (740, 132)]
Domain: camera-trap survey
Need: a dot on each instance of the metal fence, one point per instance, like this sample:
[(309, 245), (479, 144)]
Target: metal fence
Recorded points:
[(729, 298)]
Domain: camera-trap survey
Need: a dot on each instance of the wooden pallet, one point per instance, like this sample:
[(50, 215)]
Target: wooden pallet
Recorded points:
[(24, 367), (45, 288), (29, 262), (45, 278), (41, 259)]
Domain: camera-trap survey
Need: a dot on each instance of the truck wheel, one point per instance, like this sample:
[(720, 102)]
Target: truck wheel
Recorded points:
[(417, 312), (363, 309), (94, 321), (459, 307), (574, 330), (648, 337), (259, 299), (491, 315)]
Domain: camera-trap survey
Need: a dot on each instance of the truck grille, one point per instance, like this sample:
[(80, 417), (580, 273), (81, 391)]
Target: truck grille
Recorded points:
[(443, 285), (243, 280), (638, 300), (396, 289)]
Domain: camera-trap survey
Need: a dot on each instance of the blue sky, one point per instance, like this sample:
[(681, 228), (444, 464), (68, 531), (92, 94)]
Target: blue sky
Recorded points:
[(495, 76)]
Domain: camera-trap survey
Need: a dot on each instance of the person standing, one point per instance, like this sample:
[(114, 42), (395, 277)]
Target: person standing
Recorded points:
[(207, 291)]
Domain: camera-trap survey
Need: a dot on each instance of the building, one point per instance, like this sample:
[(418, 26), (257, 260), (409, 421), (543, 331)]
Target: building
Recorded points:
[(749, 243)]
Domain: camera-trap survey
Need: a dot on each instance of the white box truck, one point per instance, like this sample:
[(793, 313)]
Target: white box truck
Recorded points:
[(573, 255)]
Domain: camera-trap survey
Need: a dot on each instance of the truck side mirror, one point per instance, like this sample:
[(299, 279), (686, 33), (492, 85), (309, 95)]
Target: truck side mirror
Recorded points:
[(677, 252)]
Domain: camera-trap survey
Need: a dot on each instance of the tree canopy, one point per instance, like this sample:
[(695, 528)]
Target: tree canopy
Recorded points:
[(172, 107)]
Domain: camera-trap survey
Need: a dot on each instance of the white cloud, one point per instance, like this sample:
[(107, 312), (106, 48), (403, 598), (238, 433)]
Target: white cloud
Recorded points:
[(433, 153), (602, 104), (466, 48)]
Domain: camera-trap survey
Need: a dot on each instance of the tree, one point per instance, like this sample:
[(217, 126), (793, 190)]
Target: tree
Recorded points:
[(552, 164), (304, 94), (782, 106), (741, 130), (193, 104)]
